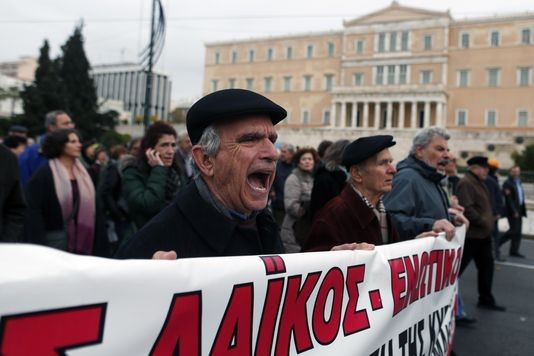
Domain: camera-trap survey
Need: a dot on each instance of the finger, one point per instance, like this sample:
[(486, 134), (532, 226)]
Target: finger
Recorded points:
[(365, 246), (164, 255)]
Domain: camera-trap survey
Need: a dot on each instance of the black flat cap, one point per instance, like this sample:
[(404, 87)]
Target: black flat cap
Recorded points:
[(478, 160), (229, 104), (364, 148)]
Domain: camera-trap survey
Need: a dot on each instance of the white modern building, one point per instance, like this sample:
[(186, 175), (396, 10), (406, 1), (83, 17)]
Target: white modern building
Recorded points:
[(126, 82)]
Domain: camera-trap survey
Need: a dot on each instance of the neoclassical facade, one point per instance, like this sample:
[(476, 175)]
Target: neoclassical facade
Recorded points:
[(399, 68)]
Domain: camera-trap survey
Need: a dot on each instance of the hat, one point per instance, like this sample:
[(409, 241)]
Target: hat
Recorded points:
[(493, 163), (18, 128), (364, 148), (229, 104), (478, 160)]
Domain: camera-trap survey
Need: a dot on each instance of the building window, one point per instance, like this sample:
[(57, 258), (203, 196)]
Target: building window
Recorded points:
[(270, 54), (379, 75), (305, 117), (309, 51), (493, 77), (287, 83), (267, 84), (331, 49), (357, 79), (251, 55), (426, 76), (491, 118), (381, 42), (328, 81), (217, 57), (524, 76), (250, 83), (307, 82), (427, 42), (234, 57), (495, 38), (326, 118), (404, 40), (464, 40), (359, 46), (289, 52), (463, 78), (393, 41), (214, 84), (461, 117), (522, 118), (403, 69), (391, 74), (525, 36), (231, 83)]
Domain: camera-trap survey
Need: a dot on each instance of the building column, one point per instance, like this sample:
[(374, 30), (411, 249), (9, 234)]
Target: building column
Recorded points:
[(343, 118), (333, 115), (377, 115), (439, 114), (400, 123), (413, 118), (427, 114), (365, 123), (389, 115), (353, 122)]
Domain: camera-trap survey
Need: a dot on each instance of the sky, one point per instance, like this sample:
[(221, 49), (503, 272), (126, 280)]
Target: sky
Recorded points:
[(117, 30)]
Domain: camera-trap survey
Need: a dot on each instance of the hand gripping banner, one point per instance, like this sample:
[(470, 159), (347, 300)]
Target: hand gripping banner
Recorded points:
[(396, 300)]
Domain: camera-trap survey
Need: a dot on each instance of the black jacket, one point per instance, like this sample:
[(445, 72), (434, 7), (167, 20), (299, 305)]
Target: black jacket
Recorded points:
[(12, 206), (326, 185), (194, 228), (512, 199), (495, 194), (44, 213)]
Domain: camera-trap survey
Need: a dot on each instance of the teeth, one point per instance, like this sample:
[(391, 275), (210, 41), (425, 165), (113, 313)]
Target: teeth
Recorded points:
[(259, 189)]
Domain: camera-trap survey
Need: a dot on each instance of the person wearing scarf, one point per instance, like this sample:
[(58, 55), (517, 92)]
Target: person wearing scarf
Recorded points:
[(61, 197), (151, 182), (357, 214)]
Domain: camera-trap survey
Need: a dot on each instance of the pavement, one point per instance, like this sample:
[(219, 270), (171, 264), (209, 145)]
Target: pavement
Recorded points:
[(509, 333)]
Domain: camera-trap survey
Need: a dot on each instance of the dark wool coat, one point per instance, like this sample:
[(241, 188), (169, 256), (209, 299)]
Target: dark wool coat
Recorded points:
[(512, 199), (326, 185), (12, 206), (194, 228), (44, 213), (347, 219), (473, 195)]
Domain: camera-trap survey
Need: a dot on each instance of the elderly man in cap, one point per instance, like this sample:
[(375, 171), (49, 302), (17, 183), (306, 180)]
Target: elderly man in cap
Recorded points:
[(222, 212), (474, 197), (357, 214)]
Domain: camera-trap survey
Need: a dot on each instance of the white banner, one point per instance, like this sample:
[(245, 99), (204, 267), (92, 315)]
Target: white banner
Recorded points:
[(395, 300)]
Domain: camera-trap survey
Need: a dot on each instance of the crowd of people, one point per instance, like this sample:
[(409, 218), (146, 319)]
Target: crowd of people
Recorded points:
[(223, 189)]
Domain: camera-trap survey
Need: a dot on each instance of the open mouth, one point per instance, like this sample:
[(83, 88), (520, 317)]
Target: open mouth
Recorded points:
[(259, 181)]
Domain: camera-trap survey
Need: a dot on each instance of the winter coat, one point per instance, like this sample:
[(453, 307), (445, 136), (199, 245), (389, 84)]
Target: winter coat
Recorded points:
[(12, 205), (512, 199), (417, 199), (346, 219), (473, 195), (297, 196), (326, 185), (194, 228)]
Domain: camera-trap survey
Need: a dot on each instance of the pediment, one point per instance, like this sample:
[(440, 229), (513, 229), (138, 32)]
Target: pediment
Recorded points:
[(396, 13)]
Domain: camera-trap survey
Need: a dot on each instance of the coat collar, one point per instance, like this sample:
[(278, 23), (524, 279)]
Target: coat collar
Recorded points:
[(360, 211)]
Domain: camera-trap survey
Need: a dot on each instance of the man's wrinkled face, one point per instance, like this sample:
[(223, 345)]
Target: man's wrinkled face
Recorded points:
[(377, 173), (435, 152), (243, 170), (286, 155), (63, 121), (480, 172)]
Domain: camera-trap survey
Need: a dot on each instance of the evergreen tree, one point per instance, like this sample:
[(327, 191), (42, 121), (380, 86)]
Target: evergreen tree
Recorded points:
[(43, 95), (80, 90)]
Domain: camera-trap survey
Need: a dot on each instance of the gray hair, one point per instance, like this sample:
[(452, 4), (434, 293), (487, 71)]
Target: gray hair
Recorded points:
[(51, 117), (424, 137), (210, 141), (334, 154), (288, 147)]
